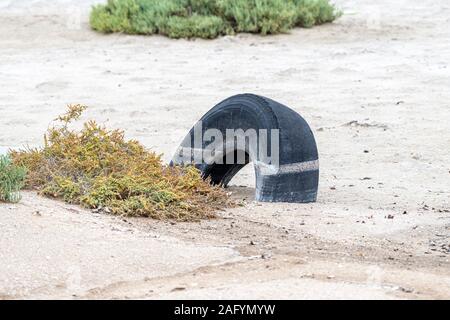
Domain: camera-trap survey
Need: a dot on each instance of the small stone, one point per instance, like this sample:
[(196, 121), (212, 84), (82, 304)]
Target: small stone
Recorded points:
[(37, 213), (265, 256), (406, 290)]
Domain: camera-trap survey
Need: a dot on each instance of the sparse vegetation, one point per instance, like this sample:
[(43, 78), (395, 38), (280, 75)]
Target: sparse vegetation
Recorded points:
[(209, 18), (97, 168), (12, 179)]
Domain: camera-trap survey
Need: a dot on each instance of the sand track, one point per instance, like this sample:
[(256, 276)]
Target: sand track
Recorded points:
[(374, 87)]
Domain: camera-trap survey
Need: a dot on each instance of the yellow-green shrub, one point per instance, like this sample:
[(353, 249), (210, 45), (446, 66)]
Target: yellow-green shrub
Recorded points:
[(97, 168)]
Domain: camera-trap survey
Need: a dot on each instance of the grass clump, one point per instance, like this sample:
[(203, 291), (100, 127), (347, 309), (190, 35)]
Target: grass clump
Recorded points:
[(12, 179), (209, 18), (99, 169)]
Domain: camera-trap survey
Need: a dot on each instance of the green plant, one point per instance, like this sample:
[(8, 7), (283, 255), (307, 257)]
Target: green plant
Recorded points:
[(206, 27), (209, 18), (12, 179), (98, 168)]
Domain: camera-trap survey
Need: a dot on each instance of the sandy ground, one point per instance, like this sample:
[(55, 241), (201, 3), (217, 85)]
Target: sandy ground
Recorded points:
[(374, 86)]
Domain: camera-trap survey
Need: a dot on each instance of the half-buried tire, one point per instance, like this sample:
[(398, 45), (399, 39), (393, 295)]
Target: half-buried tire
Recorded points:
[(288, 171)]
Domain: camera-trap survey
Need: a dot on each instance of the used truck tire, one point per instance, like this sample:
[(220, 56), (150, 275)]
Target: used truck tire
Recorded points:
[(290, 174)]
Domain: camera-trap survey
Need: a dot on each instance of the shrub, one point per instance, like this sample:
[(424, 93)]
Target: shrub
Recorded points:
[(97, 168), (207, 27), (263, 16), (209, 18), (11, 180)]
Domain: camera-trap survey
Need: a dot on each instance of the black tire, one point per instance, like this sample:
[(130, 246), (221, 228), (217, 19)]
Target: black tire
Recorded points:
[(297, 176)]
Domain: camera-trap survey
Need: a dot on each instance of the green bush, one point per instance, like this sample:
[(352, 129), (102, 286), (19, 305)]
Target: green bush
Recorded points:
[(207, 27), (263, 16), (209, 18), (12, 179)]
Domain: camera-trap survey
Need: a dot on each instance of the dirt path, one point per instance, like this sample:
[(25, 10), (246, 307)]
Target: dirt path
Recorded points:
[(375, 88)]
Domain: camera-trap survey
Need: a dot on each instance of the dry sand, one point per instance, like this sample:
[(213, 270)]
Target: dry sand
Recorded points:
[(374, 86)]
